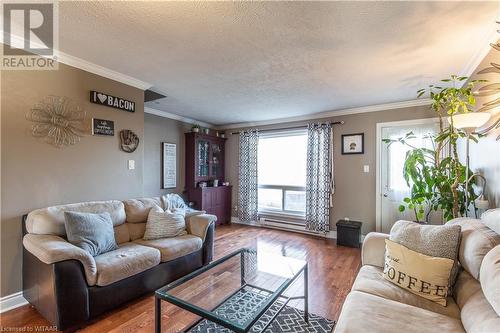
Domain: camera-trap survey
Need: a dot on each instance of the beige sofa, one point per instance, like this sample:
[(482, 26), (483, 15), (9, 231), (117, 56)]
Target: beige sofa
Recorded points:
[(376, 305), (69, 286)]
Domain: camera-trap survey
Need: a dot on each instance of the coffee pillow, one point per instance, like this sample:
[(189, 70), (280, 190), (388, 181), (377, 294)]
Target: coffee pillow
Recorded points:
[(163, 224), (442, 241), (92, 232), (423, 275)]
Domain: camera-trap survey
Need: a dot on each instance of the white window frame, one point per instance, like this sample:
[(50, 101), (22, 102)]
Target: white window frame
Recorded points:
[(283, 211), (299, 215)]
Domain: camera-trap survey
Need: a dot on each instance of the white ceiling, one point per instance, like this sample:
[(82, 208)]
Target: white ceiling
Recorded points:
[(230, 62)]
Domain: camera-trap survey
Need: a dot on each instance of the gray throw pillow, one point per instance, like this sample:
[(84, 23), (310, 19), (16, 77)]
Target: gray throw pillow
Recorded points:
[(441, 241), (92, 232)]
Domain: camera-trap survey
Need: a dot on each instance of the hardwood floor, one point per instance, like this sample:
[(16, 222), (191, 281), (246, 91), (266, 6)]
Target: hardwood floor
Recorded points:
[(332, 270)]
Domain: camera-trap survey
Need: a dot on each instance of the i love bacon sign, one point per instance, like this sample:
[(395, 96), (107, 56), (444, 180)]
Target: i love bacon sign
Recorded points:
[(112, 101)]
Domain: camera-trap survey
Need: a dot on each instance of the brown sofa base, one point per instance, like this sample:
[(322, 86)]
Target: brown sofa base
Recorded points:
[(60, 292)]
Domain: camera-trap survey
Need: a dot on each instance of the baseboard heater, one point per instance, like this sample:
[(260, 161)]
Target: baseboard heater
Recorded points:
[(285, 225)]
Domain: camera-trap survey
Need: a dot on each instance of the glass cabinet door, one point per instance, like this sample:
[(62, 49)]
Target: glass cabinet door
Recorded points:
[(203, 149), (216, 160)]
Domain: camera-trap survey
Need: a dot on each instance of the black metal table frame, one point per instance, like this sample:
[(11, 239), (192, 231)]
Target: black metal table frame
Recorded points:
[(278, 294)]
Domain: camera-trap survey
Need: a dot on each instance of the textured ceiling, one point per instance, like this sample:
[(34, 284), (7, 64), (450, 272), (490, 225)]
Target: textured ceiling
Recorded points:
[(228, 62)]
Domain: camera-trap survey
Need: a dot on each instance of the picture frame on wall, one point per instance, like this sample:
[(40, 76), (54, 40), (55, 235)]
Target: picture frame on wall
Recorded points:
[(169, 165), (353, 143)]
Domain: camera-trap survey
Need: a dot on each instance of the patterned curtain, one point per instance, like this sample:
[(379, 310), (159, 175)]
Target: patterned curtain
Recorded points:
[(247, 193), (319, 182)]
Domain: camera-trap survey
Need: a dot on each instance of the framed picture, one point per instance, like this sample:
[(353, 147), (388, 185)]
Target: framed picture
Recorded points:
[(169, 165), (353, 143)]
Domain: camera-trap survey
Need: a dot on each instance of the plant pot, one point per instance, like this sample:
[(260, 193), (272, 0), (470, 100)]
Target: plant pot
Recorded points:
[(195, 130)]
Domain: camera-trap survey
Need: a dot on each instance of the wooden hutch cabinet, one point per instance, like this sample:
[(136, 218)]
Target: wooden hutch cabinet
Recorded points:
[(204, 164)]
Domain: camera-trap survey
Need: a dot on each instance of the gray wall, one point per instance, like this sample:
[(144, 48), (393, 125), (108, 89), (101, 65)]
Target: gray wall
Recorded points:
[(35, 174), (156, 130), (355, 190)]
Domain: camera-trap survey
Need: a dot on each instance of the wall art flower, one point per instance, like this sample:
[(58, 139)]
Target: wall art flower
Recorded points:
[(58, 120)]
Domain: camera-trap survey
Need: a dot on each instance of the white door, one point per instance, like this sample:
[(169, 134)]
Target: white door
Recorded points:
[(392, 185)]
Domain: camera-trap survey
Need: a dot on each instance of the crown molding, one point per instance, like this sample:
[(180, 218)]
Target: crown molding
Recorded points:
[(90, 67), (333, 113), (173, 116)]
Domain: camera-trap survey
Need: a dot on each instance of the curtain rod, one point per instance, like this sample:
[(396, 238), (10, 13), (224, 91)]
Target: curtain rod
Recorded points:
[(294, 127)]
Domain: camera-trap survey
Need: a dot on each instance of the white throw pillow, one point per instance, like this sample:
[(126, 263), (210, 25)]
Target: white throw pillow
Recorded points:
[(164, 224), (172, 201), (491, 218), (188, 212)]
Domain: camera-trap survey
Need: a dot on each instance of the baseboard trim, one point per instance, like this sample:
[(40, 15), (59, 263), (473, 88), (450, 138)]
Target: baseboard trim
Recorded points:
[(12, 301), (331, 234)]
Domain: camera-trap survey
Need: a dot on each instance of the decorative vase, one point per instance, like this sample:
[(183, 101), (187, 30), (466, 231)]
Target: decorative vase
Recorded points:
[(206, 130)]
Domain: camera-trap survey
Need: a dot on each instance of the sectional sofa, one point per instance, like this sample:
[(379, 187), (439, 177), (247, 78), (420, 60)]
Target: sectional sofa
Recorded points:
[(376, 305), (70, 287)]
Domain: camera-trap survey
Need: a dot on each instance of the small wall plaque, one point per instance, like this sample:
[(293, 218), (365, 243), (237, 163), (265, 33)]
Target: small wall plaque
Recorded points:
[(112, 101), (103, 127)]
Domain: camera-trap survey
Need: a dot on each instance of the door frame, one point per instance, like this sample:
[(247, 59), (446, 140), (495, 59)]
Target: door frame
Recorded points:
[(378, 158)]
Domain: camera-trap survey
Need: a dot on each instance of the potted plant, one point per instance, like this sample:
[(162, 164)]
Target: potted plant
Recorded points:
[(436, 178), (195, 128)]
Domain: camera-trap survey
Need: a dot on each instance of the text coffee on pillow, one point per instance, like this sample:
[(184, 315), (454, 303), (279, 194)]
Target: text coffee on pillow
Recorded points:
[(418, 273)]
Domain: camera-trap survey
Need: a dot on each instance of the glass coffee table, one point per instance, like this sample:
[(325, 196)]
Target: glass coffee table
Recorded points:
[(236, 290)]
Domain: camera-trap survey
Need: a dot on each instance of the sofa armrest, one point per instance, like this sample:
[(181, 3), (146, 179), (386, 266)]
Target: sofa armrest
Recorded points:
[(51, 249), (373, 250), (198, 225)]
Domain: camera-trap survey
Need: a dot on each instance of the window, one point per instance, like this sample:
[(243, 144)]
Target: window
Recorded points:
[(282, 172), (397, 153), (396, 186)]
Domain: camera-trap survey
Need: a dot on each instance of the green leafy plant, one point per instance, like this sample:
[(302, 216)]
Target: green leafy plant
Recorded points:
[(436, 177), (418, 172)]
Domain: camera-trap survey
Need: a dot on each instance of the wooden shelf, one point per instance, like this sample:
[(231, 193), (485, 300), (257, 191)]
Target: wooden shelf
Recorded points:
[(207, 152)]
